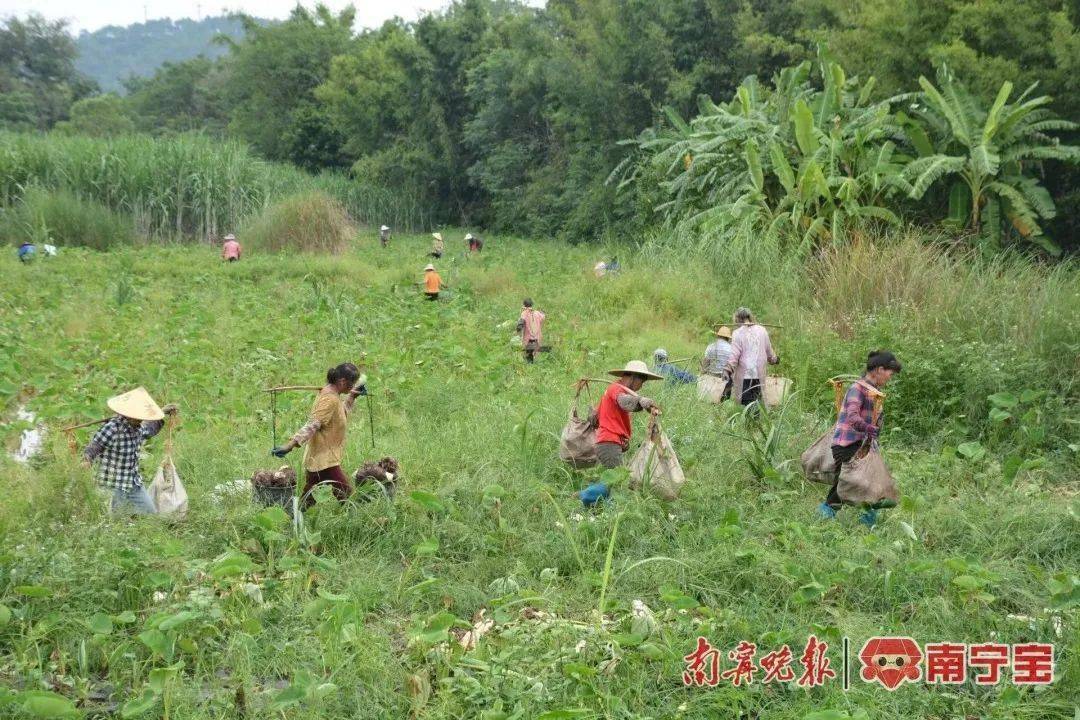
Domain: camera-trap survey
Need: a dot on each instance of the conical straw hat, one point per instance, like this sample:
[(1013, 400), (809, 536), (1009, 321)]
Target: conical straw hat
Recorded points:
[(636, 367), (437, 236), (429, 267), (136, 404), (724, 331)]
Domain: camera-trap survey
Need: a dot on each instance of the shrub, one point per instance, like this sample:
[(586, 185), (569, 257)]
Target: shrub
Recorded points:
[(62, 218), (307, 222)]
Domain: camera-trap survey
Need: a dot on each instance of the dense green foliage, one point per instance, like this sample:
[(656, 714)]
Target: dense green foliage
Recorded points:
[(307, 222), (361, 616), (509, 116), (181, 186), (59, 217), (113, 56)]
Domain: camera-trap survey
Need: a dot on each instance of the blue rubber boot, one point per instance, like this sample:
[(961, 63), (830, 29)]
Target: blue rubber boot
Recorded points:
[(868, 517), (826, 511), (594, 494)]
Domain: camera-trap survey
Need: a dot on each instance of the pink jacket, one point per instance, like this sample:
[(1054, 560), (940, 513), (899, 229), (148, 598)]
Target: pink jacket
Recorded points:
[(231, 249), (751, 349)]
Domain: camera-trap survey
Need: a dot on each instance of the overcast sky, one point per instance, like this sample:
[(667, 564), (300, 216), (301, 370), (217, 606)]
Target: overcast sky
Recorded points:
[(93, 14)]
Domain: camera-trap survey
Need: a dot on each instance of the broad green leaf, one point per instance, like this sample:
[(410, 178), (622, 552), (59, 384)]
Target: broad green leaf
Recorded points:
[(41, 704), (100, 624), (753, 164), (1003, 400), (427, 501), (34, 591), (174, 621), (971, 450), (781, 168), (998, 415), (140, 705), (427, 546), (804, 128), (5, 615)]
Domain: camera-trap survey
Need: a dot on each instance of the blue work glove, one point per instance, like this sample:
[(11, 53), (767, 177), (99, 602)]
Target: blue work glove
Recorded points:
[(280, 451), (594, 494)]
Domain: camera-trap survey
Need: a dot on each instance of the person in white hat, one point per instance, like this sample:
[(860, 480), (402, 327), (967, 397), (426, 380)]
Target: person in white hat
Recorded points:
[(384, 235), (613, 414), (116, 448), (432, 282), (230, 250), (437, 246), (475, 244)]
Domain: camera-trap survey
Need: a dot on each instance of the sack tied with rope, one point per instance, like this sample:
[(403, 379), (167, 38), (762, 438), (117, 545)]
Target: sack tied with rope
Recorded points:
[(577, 443), (656, 465)]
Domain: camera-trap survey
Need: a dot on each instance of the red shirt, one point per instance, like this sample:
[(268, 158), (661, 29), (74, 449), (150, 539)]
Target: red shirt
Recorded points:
[(614, 421)]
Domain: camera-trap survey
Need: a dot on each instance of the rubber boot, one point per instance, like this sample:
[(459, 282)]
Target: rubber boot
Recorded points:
[(826, 511)]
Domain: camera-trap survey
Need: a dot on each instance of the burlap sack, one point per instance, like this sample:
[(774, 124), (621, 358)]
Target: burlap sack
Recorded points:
[(656, 465), (775, 390), (167, 492), (711, 388), (866, 479), (577, 444), (817, 461)]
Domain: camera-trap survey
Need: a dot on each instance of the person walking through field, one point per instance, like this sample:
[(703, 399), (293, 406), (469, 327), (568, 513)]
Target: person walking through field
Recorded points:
[(437, 245), (856, 425), (433, 284), (530, 326), (230, 249), (115, 448), (613, 415), (384, 235), (324, 433), (751, 349)]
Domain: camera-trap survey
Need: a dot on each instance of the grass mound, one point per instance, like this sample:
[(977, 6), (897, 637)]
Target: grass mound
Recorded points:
[(307, 222), (59, 217)]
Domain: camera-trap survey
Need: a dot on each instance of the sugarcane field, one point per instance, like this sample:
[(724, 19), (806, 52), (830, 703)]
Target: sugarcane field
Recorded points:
[(542, 360)]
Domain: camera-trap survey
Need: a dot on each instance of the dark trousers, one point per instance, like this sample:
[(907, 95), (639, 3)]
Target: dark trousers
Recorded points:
[(432, 296), (531, 348), (609, 454), (332, 476), (841, 454), (751, 391)]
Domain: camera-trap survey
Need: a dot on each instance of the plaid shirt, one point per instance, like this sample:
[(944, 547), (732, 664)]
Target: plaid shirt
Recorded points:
[(856, 416), (116, 448)]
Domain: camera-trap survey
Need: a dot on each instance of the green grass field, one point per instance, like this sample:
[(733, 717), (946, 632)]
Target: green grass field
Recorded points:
[(230, 614)]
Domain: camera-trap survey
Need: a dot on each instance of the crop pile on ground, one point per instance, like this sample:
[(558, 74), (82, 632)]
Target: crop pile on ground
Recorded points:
[(310, 222), (482, 589)]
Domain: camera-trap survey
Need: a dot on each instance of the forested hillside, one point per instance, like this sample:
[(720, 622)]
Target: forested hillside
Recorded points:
[(112, 54)]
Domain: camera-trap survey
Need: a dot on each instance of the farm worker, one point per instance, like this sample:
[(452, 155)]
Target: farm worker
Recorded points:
[(230, 251), (475, 243), (673, 373), (855, 424), (115, 447), (324, 433), (432, 282), (384, 235), (26, 252), (437, 245), (716, 357), (529, 325), (613, 414), (750, 350)]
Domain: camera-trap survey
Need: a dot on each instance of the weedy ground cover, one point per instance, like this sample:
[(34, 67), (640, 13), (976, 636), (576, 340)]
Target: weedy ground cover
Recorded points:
[(366, 613)]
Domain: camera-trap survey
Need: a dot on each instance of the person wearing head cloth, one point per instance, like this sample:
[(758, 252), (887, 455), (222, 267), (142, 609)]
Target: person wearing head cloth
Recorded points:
[(432, 282), (230, 250), (751, 349), (613, 415), (324, 433), (384, 235), (116, 445), (530, 325), (437, 245), (671, 371)]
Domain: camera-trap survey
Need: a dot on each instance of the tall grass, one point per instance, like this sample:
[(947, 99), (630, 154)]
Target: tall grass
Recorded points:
[(310, 222), (61, 218), (183, 186)]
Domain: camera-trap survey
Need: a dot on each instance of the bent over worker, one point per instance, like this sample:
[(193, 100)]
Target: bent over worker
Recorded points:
[(619, 400), (530, 325), (324, 433)]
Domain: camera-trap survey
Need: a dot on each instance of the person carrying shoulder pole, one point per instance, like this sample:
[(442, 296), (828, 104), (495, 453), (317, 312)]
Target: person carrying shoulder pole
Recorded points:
[(751, 348), (116, 445), (855, 425), (324, 433), (613, 415)]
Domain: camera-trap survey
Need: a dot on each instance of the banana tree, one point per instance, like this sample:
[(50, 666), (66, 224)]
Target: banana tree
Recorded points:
[(988, 156)]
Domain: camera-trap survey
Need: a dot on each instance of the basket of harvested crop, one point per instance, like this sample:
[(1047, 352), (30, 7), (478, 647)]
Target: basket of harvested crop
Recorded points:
[(274, 487), (375, 479)]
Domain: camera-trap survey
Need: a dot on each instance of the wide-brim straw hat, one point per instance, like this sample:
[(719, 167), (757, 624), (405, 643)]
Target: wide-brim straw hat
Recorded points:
[(437, 236), (136, 404), (384, 227), (469, 236), (230, 236), (636, 367), (723, 331), (429, 267)]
